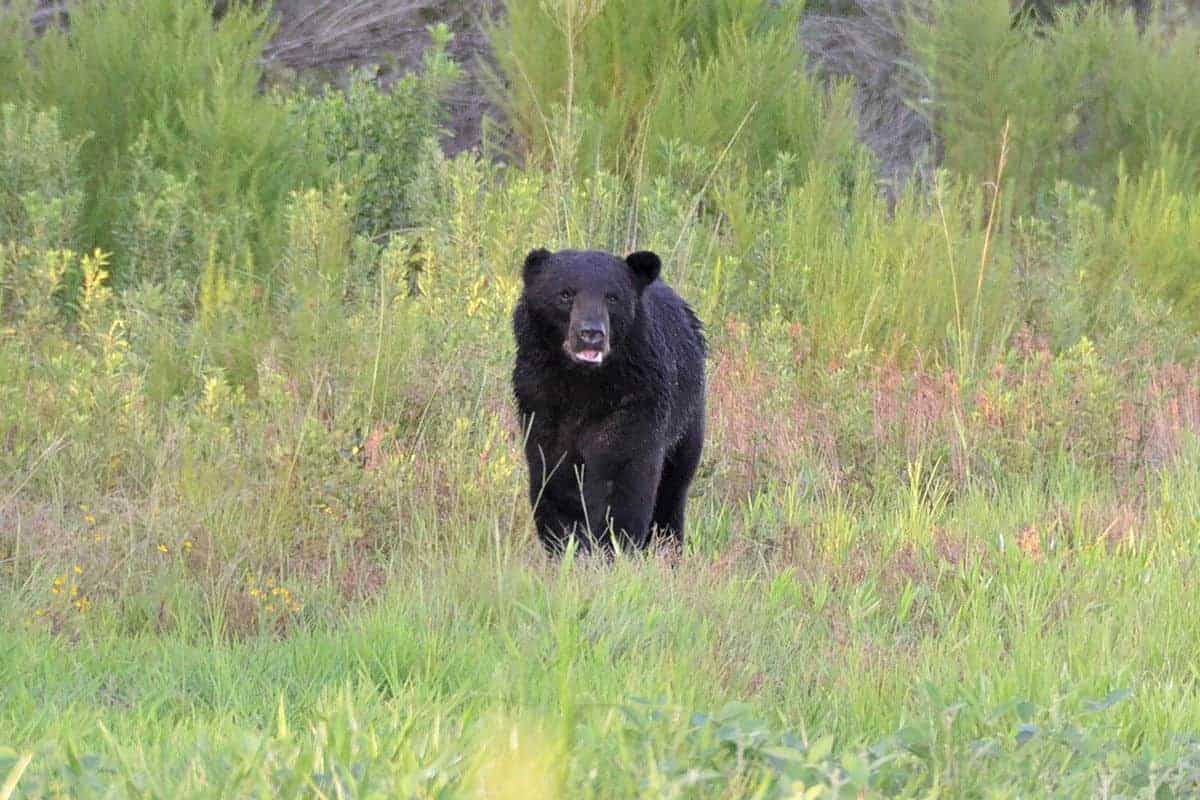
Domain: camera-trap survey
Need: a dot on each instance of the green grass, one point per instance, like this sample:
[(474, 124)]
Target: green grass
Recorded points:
[(901, 658)]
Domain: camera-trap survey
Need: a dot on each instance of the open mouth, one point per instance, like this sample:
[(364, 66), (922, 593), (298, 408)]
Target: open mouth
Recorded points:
[(589, 356)]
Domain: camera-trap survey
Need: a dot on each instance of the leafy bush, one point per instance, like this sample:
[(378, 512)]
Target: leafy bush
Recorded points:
[(609, 84), (40, 185), (163, 69), (13, 39), (161, 230), (1081, 95), (1150, 235), (41, 195), (376, 138)]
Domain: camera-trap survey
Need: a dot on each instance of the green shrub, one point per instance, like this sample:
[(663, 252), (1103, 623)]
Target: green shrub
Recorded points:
[(707, 105), (40, 185), (14, 35), (163, 69), (376, 138), (41, 195), (1080, 95), (1150, 236), (1139, 94), (609, 84), (160, 228)]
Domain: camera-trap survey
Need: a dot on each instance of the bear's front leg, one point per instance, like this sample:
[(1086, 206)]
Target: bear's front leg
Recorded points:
[(619, 497), (554, 494), (555, 530)]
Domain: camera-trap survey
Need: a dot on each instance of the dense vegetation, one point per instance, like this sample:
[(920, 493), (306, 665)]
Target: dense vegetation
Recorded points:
[(263, 527)]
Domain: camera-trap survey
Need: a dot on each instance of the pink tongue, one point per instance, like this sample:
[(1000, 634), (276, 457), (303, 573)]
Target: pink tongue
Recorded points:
[(593, 356)]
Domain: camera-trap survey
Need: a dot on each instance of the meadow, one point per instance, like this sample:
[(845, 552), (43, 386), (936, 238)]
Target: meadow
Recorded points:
[(263, 519)]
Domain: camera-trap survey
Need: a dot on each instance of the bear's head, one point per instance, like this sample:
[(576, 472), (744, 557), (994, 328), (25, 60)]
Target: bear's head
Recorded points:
[(587, 300)]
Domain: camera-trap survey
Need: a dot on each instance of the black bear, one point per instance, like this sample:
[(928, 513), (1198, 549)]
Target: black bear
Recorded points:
[(609, 382)]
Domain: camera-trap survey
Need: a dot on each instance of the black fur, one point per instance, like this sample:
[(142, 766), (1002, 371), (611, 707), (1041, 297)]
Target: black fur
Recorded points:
[(611, 446)]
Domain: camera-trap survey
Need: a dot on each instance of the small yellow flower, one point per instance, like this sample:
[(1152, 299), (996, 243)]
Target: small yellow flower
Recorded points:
[(78, 570), (83, 603), (99, 537), (162, 548), (90, 519), (187, 545)]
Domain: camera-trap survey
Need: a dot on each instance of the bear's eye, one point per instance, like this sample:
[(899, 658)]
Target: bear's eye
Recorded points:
[(612, 299), (565, 295)]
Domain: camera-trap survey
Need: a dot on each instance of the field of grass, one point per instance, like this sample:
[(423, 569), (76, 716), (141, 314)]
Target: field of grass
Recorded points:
[(263, 518)]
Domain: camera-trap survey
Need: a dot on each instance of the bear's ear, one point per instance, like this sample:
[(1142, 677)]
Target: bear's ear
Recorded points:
[(646, 266), (534, 262)]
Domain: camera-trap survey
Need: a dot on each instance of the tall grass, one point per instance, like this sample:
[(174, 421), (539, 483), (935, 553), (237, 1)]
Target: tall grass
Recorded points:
[(886, 655), (163, 70), (14, 35), (614, 84), (1082, 95), (861, 276), (1150, 236)]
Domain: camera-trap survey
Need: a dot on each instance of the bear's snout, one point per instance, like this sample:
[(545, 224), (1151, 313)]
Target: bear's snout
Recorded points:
[(587, 336)]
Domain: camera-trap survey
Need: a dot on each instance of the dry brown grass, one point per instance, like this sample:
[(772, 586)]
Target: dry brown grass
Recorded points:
[(767, 422)]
